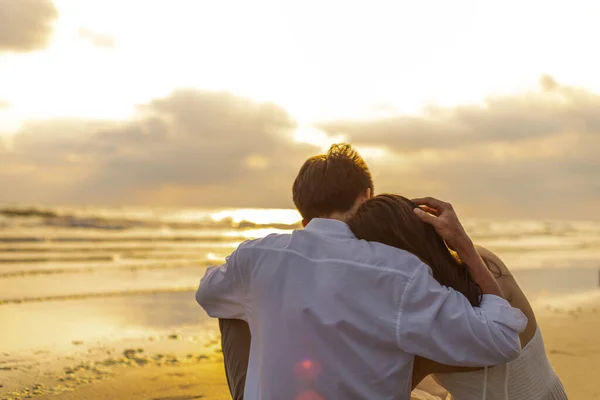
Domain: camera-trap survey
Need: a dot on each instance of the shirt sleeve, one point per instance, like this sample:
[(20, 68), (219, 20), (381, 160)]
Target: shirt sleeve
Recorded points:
[(439, 323), (221, 292)]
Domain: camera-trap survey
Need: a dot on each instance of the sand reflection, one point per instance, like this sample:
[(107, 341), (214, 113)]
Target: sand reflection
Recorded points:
[(59, 324)]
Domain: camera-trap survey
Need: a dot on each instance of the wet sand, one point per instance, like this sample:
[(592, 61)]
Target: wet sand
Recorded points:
[(182, 366)]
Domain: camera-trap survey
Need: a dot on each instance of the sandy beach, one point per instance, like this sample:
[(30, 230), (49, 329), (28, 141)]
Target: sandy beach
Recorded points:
[(202, 381), (573, 345), (183, 366), (143, 142), (99, 304)]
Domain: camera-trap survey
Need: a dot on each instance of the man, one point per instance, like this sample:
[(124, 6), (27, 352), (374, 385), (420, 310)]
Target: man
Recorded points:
[(333, 317)]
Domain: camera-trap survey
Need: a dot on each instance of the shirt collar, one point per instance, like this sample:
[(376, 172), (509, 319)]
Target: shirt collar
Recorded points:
[(330, 227)]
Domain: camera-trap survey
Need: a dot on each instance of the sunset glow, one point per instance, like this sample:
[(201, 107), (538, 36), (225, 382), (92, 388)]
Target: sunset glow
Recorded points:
[(162, 89)]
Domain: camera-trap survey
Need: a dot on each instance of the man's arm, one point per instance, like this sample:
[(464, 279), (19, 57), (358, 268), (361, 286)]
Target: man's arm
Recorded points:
[(440, 324), (221, 292)]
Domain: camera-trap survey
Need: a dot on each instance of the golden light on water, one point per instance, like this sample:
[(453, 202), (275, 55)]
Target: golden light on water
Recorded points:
[(213, 257), (259, 216), (235, 215), (183, 124)]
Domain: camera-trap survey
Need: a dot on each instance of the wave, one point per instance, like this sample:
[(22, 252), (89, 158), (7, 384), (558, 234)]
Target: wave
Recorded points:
[(172, 264), (96, 295), (56, 258), (27, 212), (112, 248), (19, 260), (34, 217), (118, 239)]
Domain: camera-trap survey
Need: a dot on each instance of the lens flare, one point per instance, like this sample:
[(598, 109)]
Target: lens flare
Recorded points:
[(309, 395), (307, 369)]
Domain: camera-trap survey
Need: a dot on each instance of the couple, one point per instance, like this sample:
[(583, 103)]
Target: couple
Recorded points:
[(367, 300)]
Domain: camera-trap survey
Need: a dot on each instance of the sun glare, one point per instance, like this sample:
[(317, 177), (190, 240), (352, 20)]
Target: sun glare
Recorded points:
[(316, 137), (316, 74), (259, 216)]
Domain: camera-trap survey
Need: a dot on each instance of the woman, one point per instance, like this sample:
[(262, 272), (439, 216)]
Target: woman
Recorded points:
[(390, 219)]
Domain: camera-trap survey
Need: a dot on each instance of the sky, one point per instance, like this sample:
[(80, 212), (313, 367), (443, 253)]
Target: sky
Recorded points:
[(492, 106)]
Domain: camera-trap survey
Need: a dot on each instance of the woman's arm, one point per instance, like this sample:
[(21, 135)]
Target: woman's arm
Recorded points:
[(424, 367), (443, 218), (512, 291), (493, 262)]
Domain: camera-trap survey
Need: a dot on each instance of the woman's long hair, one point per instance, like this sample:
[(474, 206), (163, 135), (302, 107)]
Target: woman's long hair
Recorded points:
[(390, 219)]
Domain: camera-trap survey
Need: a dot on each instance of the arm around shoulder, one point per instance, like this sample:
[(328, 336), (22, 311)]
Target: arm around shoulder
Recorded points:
[(439, 323)]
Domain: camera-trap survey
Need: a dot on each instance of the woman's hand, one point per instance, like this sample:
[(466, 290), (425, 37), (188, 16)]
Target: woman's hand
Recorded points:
[(443, 218)]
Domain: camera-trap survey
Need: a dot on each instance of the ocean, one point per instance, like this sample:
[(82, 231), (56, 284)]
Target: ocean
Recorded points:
[(89, 274)]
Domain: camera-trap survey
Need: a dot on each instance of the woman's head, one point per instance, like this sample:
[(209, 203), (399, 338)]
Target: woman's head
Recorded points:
[(390, 219)]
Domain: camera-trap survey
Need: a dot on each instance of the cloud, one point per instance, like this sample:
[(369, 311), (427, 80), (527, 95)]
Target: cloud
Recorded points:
[(556, 109), (530, 155), (527, 155), (191, 148), (97, 39), (4, 104), (26, 25)]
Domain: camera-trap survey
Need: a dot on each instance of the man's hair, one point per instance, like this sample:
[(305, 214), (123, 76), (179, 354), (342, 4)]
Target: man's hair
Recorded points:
[(331, 182)]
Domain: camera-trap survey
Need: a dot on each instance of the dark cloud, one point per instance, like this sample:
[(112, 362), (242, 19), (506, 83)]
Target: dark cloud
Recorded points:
[(97, 39), (26, 25), (191, 148), (529, 155)]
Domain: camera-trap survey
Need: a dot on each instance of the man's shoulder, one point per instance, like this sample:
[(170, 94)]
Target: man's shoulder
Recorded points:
[(387, 257), (274, 240), (353, 250)]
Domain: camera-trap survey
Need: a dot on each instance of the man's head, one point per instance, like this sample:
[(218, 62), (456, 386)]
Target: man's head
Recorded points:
[(332, 185)]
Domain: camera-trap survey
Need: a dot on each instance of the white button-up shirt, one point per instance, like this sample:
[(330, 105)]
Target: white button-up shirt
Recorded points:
[(334, 317)]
